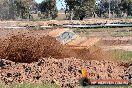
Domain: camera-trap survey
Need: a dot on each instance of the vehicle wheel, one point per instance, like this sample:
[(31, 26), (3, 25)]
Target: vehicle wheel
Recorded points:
[(84, 81)]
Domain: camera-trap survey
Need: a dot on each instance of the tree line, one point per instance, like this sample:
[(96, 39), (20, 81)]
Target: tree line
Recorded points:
[(13, 9), (117, 7), (100, 8), (74, 9)]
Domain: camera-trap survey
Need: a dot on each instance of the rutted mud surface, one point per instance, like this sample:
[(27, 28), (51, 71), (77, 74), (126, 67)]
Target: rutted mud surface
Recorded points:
[(117, 42), (126, 48), (40, 58)]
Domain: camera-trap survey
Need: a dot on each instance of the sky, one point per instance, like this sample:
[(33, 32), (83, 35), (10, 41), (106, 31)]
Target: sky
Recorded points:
[(59, 4)]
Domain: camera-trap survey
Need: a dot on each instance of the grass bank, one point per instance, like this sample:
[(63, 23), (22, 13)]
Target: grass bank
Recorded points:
[(122, 55), (28, 85)]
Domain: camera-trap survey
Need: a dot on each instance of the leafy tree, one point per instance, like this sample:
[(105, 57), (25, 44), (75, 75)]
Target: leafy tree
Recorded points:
[(116, 6), (48, 7), (12, 9), (126, 6), (80, 8), (5, 12), (22, 7)]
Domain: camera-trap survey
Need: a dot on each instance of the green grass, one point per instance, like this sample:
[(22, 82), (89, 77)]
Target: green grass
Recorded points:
[(92, 29), (125, 56), (113, 32), (129, 17), (126, 29), (28, 85)]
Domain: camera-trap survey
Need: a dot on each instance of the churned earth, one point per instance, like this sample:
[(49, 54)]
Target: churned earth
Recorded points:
[(63, 72), (32, 56)]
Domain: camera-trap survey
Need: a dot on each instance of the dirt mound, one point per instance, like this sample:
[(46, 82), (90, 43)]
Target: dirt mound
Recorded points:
[(64, 72), (28, 48)]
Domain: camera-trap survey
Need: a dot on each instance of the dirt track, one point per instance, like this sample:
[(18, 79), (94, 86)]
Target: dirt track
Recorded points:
[(30, 46), (111, 38), (59, 22)]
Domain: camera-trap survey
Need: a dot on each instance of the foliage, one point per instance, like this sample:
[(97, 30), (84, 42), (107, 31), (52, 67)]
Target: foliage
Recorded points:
[(79, 8), (22, 8), (12, 9), (4, 12), (118, 7), (48, 7)]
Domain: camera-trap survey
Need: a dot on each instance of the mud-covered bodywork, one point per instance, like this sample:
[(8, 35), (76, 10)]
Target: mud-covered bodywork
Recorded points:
[(73, 41), (66, 37)]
